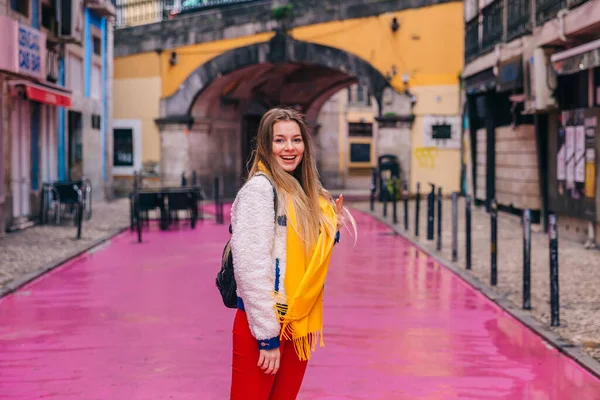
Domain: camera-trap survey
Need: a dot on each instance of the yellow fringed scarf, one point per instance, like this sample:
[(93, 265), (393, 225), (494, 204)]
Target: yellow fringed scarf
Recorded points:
[(301, 312), (302, 318)]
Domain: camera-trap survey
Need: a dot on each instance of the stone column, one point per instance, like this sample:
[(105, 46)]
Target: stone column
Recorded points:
[(395, 129), (175, 154)]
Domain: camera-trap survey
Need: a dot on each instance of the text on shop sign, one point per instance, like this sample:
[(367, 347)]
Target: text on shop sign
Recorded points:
[(30, 60)]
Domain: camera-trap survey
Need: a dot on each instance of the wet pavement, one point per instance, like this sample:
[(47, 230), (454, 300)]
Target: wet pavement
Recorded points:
[(144, 321)]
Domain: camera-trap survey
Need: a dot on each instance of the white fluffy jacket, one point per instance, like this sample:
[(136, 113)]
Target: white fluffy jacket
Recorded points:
[(258, 244)]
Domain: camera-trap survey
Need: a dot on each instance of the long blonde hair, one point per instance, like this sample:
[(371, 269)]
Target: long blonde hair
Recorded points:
[(303, 187)]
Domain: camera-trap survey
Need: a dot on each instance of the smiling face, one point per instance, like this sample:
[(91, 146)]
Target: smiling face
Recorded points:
[(288, 145)]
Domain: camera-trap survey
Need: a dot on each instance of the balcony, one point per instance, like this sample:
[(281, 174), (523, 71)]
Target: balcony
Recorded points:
[(519, 19), (545, 10), (138, 12), (492, 25), (105, 8), (472, 39)]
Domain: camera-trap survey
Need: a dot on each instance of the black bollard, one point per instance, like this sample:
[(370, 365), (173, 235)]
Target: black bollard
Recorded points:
[(217, 200), (79, 211), (385, 198), (454, 226), (494, 242), (395, 200), (439, 224), (373, 189), (194, 179), (405, 198), (430, 212), (554, 300), (527, 259), (417, 208), (183, 179), (468, 230)]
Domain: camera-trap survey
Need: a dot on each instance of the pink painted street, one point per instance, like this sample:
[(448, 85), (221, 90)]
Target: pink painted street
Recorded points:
[(133, 321)]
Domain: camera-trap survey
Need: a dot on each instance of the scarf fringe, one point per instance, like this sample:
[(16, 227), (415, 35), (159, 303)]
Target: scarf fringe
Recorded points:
[(303, 345)]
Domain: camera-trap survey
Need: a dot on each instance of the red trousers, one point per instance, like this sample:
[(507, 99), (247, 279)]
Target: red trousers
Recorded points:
[(248, 381)]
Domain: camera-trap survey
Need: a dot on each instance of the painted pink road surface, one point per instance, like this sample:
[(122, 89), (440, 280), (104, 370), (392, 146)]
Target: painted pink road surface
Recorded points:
[(144, 321)]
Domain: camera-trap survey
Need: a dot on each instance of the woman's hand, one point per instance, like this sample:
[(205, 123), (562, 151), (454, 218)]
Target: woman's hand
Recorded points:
[(268, 360), (339, 209)]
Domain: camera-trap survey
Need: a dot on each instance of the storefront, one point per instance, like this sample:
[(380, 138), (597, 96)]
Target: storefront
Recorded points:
[(31, 113), (574, 145)]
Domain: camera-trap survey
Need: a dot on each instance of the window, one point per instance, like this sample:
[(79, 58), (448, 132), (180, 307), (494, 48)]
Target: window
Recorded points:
[(123, 147), (20, 6), (96, 82), (75, 74), (360, 129), (127, 146), (360, 152), (49, 16), (97, 45), (573, 90), (443, 131), (359, 95)]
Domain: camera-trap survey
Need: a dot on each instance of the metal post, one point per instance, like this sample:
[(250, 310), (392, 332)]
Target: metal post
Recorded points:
[(183, 179), (454, 226), (194, 179), (468, 230), (417, 207), (405, 198), (217, 201), (439, 225), (494, 242), (554, 300), (385, 198), (395, 182), (373, 189), (430, 212), (527, 259)]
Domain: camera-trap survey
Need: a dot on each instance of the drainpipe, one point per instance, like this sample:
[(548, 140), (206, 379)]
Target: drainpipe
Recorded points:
[(561, 24)]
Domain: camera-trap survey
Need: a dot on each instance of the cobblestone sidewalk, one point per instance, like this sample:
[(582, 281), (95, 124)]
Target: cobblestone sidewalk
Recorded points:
[(30, 250), (579, 269)]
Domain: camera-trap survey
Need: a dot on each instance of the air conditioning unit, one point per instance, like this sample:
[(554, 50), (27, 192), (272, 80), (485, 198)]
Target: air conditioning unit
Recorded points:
[(71, 21), (540, 83)]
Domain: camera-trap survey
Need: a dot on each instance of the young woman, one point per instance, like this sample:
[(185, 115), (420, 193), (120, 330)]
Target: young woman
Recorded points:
[(281, 259)]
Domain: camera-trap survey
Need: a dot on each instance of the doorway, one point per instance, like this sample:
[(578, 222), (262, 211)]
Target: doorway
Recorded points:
[(75, 144), (20, 159)]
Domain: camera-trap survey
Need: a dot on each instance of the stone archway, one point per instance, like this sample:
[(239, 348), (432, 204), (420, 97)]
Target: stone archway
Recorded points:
[(281, 49), (205, 118)]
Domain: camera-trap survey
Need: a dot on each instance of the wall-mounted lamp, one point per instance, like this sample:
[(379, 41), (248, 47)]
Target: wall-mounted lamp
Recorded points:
[(173, 58), (395, 25)]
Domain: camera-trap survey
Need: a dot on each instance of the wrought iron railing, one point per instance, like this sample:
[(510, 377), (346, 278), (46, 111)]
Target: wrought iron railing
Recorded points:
[(472, 39), (139, 12), (547, 9), (492, 25), (518, 18)]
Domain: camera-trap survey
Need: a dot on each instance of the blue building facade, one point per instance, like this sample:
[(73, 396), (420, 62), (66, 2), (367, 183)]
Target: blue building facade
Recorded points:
[(54, 100)]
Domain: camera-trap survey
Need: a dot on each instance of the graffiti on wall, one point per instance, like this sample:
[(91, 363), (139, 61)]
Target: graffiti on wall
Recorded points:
[(426, 157)]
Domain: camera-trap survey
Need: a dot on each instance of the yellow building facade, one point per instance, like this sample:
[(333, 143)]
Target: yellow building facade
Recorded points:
[(422, 59)]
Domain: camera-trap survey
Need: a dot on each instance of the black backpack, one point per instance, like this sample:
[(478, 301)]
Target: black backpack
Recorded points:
[(226, 278)]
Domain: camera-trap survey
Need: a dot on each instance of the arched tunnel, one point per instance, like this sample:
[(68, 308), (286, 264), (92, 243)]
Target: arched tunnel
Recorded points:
[(223, 100)]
